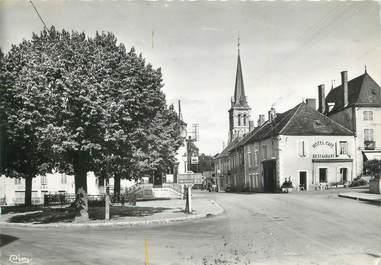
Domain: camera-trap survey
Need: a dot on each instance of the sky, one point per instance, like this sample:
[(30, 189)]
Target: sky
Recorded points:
[(287, 49)]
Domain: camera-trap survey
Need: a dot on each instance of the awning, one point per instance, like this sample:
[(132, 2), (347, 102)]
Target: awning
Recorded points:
[(372, 155)]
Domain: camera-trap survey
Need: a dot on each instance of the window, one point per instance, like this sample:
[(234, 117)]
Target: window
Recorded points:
[(249, 158), (264, 152), (368, 135), (343, 148), (239, 119), (302, 149), (64, 179), (44, 180), (17, 181), (368, 115), (256, 157), (322, 175), (244, 119)]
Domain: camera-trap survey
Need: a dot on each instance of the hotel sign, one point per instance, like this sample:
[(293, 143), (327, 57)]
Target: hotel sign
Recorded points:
[(323, 143), (323, 149)]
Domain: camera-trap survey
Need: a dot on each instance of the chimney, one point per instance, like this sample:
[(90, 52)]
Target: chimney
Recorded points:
[(321, 93), (311, 102), (272, 114), (344, 83), (261, 120), (251, 125)]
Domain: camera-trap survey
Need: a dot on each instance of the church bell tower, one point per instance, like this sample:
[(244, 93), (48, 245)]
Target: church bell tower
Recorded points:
[(239, 112)]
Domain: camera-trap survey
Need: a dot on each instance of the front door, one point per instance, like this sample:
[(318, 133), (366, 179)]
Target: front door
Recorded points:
[(269, 176), (303, 180), (322, 175), (344, 174)]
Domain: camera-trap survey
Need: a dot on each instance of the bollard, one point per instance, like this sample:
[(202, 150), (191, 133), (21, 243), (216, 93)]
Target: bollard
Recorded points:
[(190, 199)]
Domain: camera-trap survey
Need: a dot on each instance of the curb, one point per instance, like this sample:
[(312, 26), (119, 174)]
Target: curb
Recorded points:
[(359, 198), (121, 223)]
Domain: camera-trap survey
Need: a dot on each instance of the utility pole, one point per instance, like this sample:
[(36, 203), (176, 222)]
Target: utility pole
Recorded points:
[(189, 153)]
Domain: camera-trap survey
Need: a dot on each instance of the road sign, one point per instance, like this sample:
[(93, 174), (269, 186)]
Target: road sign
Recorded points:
[(189, 178), (194, 160)]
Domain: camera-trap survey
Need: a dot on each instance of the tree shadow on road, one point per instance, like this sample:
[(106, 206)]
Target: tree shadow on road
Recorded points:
[(6, 239), (49, 215)]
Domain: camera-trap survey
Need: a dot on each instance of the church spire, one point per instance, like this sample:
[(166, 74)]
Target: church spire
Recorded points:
[(239, 90)]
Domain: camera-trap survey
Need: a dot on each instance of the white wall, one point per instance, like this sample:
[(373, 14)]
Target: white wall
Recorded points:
[(362, 124), (317, 147), (15, 193)]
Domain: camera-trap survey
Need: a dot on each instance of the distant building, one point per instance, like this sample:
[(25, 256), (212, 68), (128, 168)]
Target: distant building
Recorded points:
[(12, 190), (357, 106)]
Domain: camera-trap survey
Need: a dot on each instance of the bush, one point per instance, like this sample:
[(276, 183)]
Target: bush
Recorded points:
[(359, 181)]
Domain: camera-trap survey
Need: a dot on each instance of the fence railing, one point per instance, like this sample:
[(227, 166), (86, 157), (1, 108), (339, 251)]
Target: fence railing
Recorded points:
[(174, 186), (93, 200)]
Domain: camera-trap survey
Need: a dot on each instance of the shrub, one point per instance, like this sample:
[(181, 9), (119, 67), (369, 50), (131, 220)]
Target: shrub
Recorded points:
[(359, 181)]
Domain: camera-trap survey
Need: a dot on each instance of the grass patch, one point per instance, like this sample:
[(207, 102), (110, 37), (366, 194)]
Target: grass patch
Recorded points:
[(48, 215), (20, 209)]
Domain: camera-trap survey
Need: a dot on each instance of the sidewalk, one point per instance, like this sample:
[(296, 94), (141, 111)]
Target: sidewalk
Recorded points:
[(202, 208), (361, 196)]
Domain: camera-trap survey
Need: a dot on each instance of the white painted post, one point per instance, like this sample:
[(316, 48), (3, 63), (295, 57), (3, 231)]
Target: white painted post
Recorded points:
[(190, 199), (107, 201)]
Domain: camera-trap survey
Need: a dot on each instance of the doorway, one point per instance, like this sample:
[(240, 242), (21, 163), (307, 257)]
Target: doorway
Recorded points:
[(269, 176), (344, 174), (303, 180), (322, 175)]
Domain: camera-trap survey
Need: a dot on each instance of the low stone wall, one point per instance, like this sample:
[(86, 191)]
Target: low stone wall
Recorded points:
[(375, 186)]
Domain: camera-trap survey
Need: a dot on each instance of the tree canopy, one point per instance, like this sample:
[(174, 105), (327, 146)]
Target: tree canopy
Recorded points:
[(79, 104)]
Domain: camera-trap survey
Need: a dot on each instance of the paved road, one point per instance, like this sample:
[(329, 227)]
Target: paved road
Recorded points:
[(303, 228)]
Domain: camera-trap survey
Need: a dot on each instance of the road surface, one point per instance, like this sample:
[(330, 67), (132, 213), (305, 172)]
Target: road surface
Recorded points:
[(299, 228)]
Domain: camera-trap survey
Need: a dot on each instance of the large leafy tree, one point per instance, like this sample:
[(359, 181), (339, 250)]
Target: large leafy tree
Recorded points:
[(22, 102), (93, 107)]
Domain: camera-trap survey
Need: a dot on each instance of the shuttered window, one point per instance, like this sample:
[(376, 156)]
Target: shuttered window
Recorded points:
[(343, 147), (302, 152), (368, 115), (368, 135)]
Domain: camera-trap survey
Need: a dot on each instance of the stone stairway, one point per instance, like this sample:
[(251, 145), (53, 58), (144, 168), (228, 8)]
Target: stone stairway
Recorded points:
[(166, 193)]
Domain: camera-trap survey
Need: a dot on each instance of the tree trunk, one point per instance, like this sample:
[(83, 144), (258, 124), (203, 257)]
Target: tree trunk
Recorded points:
[(28, 190), (80, 173), (116, 186), (80, 179)]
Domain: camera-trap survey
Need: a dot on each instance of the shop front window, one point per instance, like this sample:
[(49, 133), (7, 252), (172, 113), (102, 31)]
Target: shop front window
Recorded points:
[(322, 175)]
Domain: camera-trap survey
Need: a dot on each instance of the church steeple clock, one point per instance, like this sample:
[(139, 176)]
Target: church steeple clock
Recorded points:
[(239, 113)]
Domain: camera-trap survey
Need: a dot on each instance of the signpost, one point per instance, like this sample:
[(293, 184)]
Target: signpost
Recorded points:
[(188, 180), (194, 160)]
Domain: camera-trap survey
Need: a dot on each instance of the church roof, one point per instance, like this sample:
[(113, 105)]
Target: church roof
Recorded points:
[(239, 89), (362, 91)]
